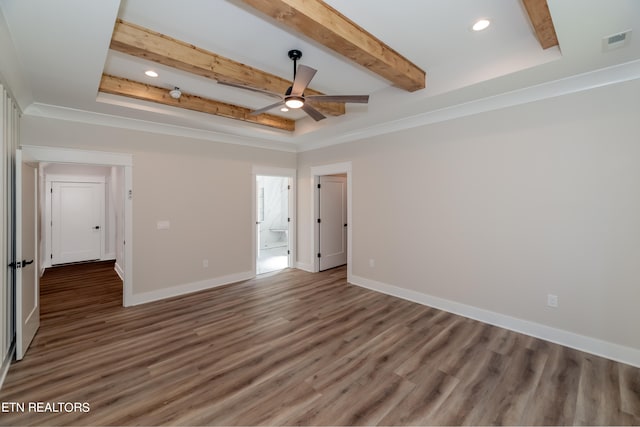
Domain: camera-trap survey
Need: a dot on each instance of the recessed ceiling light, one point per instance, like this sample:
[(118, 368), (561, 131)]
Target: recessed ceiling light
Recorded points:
[(151, 73), (481, 24), (284, 109)]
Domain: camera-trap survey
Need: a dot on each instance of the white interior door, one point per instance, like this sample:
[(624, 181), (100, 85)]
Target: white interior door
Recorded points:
[(77, 218), (27, 277), (333, 221)]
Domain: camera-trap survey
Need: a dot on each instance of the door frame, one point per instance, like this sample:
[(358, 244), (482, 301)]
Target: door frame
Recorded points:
[(281, 172), (316, 173), (99, 158)]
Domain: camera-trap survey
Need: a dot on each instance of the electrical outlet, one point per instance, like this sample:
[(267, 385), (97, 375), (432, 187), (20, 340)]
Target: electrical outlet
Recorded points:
[(552, 300), (205, 263)]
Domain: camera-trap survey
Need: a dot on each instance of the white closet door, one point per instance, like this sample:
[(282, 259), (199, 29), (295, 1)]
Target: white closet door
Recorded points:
[(333, 221), (76, 221)]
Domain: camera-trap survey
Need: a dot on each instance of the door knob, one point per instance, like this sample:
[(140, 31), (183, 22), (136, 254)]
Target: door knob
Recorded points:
[(25, 262)]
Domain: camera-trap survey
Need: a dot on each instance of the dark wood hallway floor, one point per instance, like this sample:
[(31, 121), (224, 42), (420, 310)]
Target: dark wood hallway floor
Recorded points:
[(297, 349)]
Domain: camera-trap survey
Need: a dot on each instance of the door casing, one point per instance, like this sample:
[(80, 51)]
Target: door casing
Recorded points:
[(273, 171), (99, 158)]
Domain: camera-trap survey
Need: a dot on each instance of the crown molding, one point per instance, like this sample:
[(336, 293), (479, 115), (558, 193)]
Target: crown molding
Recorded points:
[(89, 117), (573, 84)]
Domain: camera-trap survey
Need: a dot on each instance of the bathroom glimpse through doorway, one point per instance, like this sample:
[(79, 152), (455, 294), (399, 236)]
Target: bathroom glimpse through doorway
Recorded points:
[(273, 223)]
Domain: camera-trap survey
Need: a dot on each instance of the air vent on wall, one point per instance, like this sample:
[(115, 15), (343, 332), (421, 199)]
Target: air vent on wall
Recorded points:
[(616, 41)]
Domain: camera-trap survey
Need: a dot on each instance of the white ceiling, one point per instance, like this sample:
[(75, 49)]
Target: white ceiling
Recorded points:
[(62, 49)]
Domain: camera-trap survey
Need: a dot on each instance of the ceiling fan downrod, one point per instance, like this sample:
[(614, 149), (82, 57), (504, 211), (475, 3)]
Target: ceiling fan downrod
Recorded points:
[(295, 54)]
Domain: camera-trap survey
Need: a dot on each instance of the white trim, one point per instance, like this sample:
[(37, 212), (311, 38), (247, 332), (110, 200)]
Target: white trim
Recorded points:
[(316, 173), (89, 179), (127, 282), (108, 256), (67, 155), (119, 271), (290, 173), (276, 142), (584, 343), (552, 89), (281, 141), (187, 288), (6, 363)]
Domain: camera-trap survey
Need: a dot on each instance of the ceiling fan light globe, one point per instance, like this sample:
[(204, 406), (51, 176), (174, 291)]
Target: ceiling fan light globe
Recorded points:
[(294, 102)]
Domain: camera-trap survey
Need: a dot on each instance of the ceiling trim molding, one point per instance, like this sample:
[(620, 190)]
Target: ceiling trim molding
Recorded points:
[(88, 117), (565, 86), (324, 24), (568, 85), (144, 43), (132, 89)]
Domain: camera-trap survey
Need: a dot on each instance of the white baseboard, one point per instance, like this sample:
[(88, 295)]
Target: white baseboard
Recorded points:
[(304, 266), (6, 363), (187, 288), (119, 271), (609, 350)]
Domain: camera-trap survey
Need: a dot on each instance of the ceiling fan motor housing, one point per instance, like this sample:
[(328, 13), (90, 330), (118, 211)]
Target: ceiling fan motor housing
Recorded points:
[(295, 54)]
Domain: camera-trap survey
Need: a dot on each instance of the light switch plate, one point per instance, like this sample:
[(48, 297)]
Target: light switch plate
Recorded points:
[(163, 225)]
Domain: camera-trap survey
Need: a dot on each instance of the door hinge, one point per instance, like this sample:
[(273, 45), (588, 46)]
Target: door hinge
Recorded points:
[(319, 221), (318, 185), (288, 219), (51, 256), (288, 187), (288, 252), (319, 255), (51, 190)]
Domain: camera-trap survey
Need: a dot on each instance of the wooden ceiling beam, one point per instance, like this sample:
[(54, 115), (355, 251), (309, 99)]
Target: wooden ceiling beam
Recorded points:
[(540, 17), (132, 89), (327, 26), (143, 43)]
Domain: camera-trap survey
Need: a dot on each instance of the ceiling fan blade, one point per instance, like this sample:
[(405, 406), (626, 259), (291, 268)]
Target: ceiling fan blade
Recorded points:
[(303, 77), (267, 108), (253, 89), (315, 114), (357, 99)]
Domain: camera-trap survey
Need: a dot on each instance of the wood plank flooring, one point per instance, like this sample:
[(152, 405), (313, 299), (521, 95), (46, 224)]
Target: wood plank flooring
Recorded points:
[(297, 349)]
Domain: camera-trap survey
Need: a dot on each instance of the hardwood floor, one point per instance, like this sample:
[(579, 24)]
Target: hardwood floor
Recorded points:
[(297, 349)]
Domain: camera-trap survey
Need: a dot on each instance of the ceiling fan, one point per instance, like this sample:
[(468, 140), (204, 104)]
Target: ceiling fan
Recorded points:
[(294, 96)]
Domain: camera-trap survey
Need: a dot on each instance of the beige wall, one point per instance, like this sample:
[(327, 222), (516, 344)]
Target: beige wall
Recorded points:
[(494, 211), (499, 209), (203, 188)]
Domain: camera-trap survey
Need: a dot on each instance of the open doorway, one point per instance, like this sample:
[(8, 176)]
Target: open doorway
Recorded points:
[(274, 219), (272, 223), (117, 171), (81, 213)]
